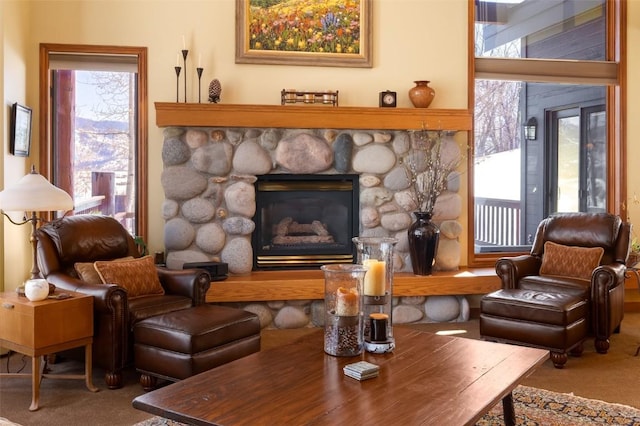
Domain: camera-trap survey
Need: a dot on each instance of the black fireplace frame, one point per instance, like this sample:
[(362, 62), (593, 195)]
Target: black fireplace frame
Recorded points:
[(300, 183)]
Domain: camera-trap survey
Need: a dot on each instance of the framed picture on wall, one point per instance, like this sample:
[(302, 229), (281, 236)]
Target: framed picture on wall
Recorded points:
[(20, 138), (331, 33)]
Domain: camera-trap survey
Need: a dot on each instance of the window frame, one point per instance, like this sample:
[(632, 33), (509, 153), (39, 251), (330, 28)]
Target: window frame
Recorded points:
[(45, 127), (556, 71)]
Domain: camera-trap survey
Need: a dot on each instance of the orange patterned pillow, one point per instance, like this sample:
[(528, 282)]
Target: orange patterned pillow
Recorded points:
[(87, 271), (570, 261), (138, 276)]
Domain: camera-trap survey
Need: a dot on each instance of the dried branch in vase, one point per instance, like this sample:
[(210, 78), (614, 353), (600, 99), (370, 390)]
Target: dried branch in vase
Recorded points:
[(429, 165)]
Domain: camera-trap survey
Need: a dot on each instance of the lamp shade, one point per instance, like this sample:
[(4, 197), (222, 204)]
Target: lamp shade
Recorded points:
[(34, 193)]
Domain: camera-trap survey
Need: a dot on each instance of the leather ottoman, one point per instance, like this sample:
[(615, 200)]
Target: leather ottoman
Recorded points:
[(180, 344), (553, 321)]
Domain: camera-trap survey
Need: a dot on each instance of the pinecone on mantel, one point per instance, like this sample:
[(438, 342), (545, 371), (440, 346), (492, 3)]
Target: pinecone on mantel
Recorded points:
[(215, 89)]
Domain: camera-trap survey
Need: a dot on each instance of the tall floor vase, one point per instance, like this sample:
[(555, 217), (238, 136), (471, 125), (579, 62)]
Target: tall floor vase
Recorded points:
[(423, 243)]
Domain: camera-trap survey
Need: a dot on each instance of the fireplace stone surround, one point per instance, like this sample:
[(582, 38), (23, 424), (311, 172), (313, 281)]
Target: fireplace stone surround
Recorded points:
[(208, 180), (190, 127), (209, 177)]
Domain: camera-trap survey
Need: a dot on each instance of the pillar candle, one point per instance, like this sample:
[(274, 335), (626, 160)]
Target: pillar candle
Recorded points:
[(346, 302), (374, 280)]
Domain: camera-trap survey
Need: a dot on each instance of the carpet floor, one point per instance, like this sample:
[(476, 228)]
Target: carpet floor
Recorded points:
[(613, 377), (533, 407)]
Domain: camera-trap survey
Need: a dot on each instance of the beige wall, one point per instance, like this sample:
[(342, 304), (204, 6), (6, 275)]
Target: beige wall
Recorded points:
[(412, 39), (3, 120), (16, 254), (402, 54)]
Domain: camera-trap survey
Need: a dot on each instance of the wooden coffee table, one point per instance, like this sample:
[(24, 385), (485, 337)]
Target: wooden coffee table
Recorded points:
[(428, 379)]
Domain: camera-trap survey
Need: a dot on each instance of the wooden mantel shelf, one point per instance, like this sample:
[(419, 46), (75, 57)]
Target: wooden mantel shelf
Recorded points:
[(309, 116), (309, 285)]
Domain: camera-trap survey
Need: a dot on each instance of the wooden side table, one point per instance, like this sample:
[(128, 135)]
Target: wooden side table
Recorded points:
[(49, 326)]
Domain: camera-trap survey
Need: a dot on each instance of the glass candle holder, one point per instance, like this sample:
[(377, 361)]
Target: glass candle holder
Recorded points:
[(343, 319), (376, 254)]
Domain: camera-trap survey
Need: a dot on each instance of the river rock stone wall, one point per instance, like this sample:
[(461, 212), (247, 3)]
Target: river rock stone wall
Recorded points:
[(208, 179), (406, 310)]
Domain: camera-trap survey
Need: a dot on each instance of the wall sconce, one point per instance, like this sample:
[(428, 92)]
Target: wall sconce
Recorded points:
[(530, 129)]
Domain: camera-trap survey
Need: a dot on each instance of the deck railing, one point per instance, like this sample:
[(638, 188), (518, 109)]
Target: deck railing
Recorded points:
[(497, 222), (88, 205)]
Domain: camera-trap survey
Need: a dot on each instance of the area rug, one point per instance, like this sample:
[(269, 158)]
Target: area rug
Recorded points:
[(538, 407), (534, 407)]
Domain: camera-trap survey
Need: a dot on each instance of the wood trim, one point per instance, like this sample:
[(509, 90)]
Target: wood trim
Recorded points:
[(472, 257), (616, 99), (265, 286), (617, 194), (313, 117), (309, 285), (142, 155), (44, 110), (142, 121)]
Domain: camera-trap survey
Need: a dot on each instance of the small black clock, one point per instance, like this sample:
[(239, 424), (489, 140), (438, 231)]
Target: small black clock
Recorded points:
[(388, 99)]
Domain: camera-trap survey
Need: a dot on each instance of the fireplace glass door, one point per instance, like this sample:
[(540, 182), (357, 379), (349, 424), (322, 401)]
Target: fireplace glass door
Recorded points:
[(305, 221)]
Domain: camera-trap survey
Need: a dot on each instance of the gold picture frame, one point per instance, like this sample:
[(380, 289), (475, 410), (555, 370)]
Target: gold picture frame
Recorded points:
[(340, 37)]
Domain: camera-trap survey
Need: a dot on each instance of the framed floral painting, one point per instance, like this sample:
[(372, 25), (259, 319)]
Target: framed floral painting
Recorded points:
[(331, 33)]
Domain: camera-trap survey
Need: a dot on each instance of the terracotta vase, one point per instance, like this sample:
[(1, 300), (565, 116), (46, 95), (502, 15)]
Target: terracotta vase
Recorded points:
[(421, 95), (423, 243)]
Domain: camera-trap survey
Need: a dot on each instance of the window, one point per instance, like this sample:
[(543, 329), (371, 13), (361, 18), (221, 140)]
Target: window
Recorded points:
[(549, 64), (95, 123)]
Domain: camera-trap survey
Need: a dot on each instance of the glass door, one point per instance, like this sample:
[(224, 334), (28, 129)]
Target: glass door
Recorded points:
[(595, 149), (567, 135), (578, 158)]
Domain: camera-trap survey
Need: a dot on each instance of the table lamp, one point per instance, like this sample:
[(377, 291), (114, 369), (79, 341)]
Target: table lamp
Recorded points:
[(33, 193)]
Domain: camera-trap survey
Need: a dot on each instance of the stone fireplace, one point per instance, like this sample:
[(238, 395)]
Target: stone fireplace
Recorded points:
[(209, 182), (213, 155), (305, 221)]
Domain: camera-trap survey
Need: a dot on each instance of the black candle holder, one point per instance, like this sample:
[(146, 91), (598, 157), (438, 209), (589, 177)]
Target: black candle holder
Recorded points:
[(177, 68), (199, 71), (185, 52)]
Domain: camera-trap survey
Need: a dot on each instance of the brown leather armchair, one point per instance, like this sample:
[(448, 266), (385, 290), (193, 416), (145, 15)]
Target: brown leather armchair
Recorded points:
[(604, 292), (90, 238)]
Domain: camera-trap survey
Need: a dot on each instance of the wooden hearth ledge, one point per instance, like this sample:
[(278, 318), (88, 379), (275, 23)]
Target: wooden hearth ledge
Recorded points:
[(309, 284)]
